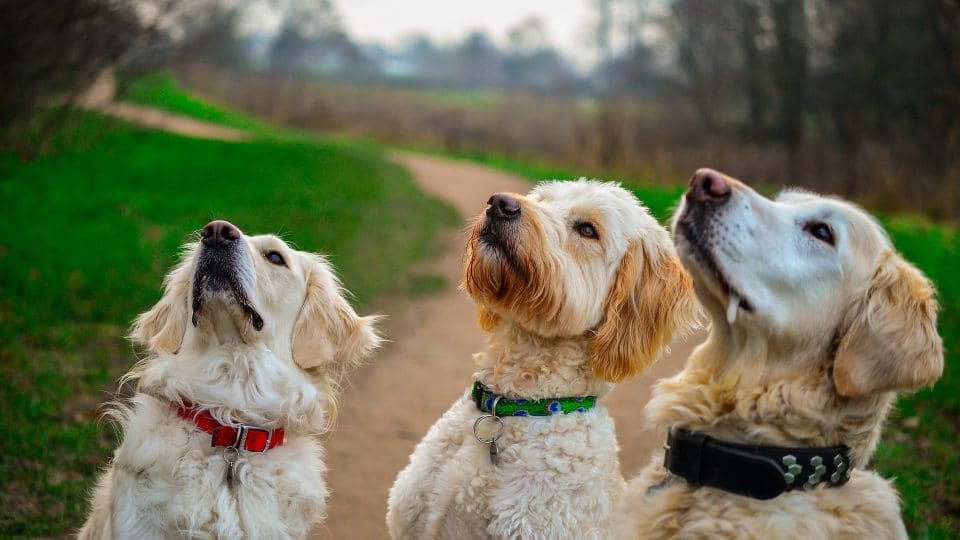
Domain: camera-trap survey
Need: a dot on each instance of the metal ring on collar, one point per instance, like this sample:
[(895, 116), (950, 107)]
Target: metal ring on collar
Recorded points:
[(231, 454), (476, 427), (493, 408)]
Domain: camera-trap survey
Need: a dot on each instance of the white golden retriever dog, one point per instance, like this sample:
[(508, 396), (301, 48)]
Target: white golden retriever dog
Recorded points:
[(578, 287), (817, 322), (246, 348)]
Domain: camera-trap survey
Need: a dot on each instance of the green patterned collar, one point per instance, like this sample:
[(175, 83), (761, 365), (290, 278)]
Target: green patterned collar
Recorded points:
[(485, 399)]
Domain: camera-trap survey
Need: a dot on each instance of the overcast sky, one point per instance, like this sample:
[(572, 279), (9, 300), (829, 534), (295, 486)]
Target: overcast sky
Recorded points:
[(449, 20), (445, 21)]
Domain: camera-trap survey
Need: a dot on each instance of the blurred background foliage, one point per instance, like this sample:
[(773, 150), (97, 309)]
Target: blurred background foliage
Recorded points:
[(856, 97)]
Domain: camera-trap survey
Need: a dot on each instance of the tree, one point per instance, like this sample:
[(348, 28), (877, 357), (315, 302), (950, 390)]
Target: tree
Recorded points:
[(707, 55), (57, 47), (530, 63), (601, 36), (792, 70), (528, 37), (209, 35), (753, 69), (477, 62), (311, 32)]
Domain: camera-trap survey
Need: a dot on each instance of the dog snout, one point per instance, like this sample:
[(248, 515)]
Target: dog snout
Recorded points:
[(503, 206), (709, 186), (219, 233)]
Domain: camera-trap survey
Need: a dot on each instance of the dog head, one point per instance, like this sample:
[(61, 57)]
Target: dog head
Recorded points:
[(810, 272), (233, 288), (580, 258)]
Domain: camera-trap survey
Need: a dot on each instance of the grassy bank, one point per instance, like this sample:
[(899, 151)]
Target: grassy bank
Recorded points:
[(161, 91), (88, 232), (919, 447)]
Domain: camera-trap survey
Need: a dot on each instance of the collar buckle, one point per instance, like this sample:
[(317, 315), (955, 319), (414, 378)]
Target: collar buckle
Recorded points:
[(244, 430), (241, 438)]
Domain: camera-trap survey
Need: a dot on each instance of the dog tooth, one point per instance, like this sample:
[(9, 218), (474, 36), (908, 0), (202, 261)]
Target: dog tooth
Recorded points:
[(733, 302)]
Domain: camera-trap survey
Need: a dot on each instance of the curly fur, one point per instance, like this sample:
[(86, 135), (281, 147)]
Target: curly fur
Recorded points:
[(567, 315)]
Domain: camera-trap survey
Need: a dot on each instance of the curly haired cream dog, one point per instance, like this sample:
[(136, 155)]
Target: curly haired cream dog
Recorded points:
[(578, 287), (817, 322), (250, 338)]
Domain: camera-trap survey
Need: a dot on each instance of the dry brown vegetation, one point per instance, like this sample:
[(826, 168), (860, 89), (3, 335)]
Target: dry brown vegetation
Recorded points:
[(658, 143)]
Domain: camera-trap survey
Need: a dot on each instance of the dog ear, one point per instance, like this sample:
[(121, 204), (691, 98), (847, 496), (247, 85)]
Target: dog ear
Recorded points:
[(650, 300), (161, 329), (328, 329), (890, 339)]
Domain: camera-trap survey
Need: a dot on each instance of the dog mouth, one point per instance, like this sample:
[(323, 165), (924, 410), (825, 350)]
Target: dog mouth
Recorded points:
[(217, 276), (705, 259), (494, 237)]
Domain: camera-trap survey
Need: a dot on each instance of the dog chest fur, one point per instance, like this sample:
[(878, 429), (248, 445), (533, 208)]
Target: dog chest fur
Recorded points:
[(557, 478), (166, 477), (251, 332)]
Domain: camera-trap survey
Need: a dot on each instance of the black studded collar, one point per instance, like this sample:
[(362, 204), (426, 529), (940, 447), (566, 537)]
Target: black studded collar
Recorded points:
[(761, 472)]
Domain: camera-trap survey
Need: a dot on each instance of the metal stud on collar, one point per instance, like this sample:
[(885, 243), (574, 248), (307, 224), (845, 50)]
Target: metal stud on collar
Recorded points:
[(841, 467), (793, 469), (818, 470)]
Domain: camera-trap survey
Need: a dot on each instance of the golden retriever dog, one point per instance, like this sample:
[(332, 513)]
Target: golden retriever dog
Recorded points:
[(817, 323), (246, 348), (578, 287)]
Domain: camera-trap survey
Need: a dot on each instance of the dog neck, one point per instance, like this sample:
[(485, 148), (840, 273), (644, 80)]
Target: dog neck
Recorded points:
[(755, 395), (238, 383), (521, 364)]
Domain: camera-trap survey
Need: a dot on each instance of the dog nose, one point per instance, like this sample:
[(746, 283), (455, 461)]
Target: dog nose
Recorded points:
[(503, 206), (219, 233), (707, 185)]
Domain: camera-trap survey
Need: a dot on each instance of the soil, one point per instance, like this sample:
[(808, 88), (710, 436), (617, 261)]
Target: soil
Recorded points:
[(174, 123), (101, 96)]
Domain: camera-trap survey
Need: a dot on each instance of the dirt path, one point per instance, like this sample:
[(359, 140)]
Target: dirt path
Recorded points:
[(393, 401), (174, 123), (101, 96)]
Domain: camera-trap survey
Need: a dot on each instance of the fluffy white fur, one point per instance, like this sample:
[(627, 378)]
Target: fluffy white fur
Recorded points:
[(568, 314), (810, 339), (165, 479)]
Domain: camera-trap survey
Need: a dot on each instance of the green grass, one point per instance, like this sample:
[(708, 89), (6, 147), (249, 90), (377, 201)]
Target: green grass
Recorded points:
[(468, 99), (419, 95), (924, 459), (920, 443), (86, 235), (426, 284), (161, 91)]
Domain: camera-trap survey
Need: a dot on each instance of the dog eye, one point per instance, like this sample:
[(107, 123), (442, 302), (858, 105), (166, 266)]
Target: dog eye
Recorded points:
[(275, 258), (586, 230), (820, 231)]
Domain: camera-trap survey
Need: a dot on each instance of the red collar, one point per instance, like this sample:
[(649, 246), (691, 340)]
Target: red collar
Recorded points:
[(242, 437)]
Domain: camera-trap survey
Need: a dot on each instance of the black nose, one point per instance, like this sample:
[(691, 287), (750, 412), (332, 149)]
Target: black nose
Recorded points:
[(707, 185), (219, 233), (503, 206)]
